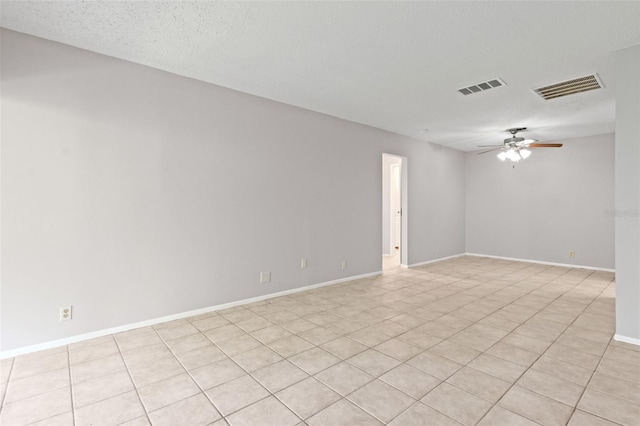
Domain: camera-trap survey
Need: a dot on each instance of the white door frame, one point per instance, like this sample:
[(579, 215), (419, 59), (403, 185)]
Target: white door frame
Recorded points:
[(404, 203)]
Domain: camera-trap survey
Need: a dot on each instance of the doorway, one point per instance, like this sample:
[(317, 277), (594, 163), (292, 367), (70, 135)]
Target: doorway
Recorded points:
[(394, 203)]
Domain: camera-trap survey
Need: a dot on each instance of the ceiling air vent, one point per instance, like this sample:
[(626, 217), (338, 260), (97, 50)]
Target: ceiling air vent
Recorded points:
[(570, 87), (480, 87)]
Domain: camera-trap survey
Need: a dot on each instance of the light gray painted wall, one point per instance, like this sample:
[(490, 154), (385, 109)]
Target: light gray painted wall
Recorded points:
[(628, 193), (132, 193), (553, 202)]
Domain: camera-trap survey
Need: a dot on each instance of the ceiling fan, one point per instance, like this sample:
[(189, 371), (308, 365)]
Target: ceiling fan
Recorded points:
[(516, 148)]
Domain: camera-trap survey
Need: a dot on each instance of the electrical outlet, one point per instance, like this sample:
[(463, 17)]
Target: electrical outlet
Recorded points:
[(572, 253), (65, 313), (265, 277), (344, 264), (303, 263)]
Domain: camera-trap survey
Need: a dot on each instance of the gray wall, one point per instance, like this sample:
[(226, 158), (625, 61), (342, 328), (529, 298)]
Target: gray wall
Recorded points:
[(132, 194), (628, 194), (554, 202)]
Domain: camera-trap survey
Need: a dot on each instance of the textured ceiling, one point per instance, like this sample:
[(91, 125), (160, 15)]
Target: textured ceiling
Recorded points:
[(392, 65)]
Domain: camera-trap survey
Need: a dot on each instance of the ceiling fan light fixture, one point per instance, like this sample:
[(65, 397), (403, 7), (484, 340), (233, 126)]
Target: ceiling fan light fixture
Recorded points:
[(525, 153), (502, 155)]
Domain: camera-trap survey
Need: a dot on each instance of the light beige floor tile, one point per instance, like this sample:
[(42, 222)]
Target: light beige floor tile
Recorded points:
[(307, 397), (188, 343), (498, 416), (381, 400), (100, 367), (298, 325), (455, 352), (609, 407), (435, 365), (210, 323), (36, 385), (457, 404), (420, 414), (155, 371), (573, 356), (581, 418), (410, 380), (141, 357), (216, 373), (615, 386), (344, 378), (318, 335), (25, 366), (373, 362), (167, 391), (582, 345), (279, 376), (254, 324), (239, 344), (513, 354), (138, 421), (267, 412), (624, 370), (420, 339), (342, 413), (280, 317), (536, 407), (314, 360), (176, 331), (525, 342), (257, 358), (497, 367), (224, 332), (82, 354), (368, 337), (622, 354), (344, 347), (552, 387), (479, 384), (64, 419), (398, 349), (102, 387), (270, 334), (290, 346), (438, 330), (563, 370), (111, 411), (36, 408), (236, 394), (136, 338), (201, 356)]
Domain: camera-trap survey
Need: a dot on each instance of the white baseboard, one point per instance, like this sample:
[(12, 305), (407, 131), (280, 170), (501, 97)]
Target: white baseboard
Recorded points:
[(413, 265), (82, 337), (542, 262), (625, 339)]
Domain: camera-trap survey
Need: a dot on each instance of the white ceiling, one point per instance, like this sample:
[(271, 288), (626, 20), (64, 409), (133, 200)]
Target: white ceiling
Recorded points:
[(392, 65)]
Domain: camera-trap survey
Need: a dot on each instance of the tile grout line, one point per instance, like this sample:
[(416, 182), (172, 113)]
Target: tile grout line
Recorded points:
[(6, 385), (229, 358), (135, 387), (544, 352), (73, 409)]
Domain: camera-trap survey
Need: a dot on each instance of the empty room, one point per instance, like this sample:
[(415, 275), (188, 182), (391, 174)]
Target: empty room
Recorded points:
[(319, 213)]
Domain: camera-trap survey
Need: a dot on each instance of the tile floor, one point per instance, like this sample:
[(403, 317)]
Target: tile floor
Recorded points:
[(464, 341)]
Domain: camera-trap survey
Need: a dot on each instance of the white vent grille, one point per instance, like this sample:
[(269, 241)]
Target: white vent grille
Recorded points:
[(481, 87), (569, 87)]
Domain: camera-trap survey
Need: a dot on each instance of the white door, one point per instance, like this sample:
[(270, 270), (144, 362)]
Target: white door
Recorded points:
[(396, 209)]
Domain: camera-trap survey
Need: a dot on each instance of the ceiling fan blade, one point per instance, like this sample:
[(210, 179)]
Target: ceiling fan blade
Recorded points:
[(490, 150), (545, 145)]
